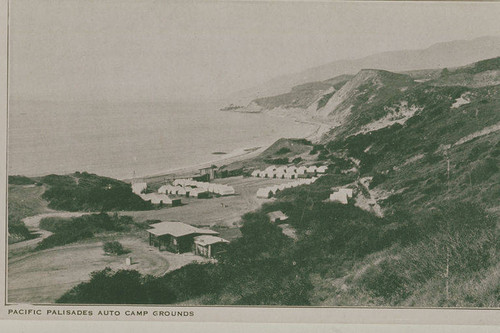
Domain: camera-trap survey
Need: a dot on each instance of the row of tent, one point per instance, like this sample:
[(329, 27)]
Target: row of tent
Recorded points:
[(270, 191), (158, 198), (192, 188), (289, 172)]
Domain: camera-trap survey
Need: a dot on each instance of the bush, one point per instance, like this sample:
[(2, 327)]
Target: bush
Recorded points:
[(385, 280), (20, 180), (88, 192), (66, 231), (483, 170), (114, 247), (283, 151)]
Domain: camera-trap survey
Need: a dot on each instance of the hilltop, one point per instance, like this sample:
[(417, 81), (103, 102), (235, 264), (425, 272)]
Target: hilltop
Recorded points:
[(447, 54)]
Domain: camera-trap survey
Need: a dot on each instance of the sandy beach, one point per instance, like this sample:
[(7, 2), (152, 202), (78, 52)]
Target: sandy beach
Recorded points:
[(243, 154)]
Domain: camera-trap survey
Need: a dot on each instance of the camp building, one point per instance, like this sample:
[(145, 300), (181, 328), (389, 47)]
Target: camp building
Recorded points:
[(209, 246), (175, 237), (277, 216)]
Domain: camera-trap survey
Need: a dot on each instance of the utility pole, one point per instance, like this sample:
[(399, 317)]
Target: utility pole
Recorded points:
[(447, 237)]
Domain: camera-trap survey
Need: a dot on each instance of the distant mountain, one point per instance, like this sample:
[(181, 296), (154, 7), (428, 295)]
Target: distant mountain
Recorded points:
[(446, 54)]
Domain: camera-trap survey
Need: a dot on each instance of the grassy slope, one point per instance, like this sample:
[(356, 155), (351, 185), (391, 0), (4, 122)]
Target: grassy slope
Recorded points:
[(23, 201), (302, 96)]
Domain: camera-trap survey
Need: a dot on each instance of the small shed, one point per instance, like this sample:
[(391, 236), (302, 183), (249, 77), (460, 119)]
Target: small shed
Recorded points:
[(277, 216), (255, 173), (175, 237), (209, 246)]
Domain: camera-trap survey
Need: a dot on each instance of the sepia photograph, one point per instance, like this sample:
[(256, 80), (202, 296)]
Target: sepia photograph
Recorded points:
[(170, 156)]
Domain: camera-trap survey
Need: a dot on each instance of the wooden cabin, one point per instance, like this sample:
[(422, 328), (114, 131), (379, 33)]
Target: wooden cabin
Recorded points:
[(175, 237)]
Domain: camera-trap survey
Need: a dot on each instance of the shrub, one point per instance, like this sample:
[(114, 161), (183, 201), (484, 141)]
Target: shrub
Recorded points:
[(483, 170), (66, 231), (90, 193), (283, 151), (114, 247), (385, 280)]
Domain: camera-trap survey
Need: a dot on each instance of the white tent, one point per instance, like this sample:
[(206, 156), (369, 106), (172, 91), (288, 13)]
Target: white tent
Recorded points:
[(157, 198), (274, 189), (347, 191), (340, 197), (137, 188), (195, 193), (312, 169), (322, 169), (212, 187), (280, 169), (255, 173), (280, 174), (264, 193), (282, 187), (270, 168), (301, 170), (166, 189), (226, 190), (179, 182)]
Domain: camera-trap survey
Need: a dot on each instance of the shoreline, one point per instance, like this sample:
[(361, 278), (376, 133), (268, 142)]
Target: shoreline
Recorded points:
[(239, 154), (317, 129), (236, 155)]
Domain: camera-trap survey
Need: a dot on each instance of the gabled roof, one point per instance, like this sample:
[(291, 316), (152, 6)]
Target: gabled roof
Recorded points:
[(209, 240), (178, 229)]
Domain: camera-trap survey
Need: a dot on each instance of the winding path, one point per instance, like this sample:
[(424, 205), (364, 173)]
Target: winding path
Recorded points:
[(33, 225)]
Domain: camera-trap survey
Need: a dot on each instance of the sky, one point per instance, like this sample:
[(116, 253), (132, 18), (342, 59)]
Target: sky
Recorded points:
[(135, 50)]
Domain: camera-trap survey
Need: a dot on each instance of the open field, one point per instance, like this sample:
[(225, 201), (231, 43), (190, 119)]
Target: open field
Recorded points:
[(44, 276), (222, 211)]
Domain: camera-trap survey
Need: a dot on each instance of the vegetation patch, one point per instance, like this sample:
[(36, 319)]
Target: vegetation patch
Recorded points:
[(66, 231), (114, 248), (89, 192)]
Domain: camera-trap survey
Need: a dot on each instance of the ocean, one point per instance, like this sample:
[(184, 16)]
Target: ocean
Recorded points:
[(120, 139)]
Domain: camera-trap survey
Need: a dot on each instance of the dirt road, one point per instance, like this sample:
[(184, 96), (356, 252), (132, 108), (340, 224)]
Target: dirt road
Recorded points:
[(33, 224)]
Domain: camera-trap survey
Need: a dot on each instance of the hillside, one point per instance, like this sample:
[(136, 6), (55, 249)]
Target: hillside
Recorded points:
[(446, 54), (299, 97), (422, 228), (480, 74)]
